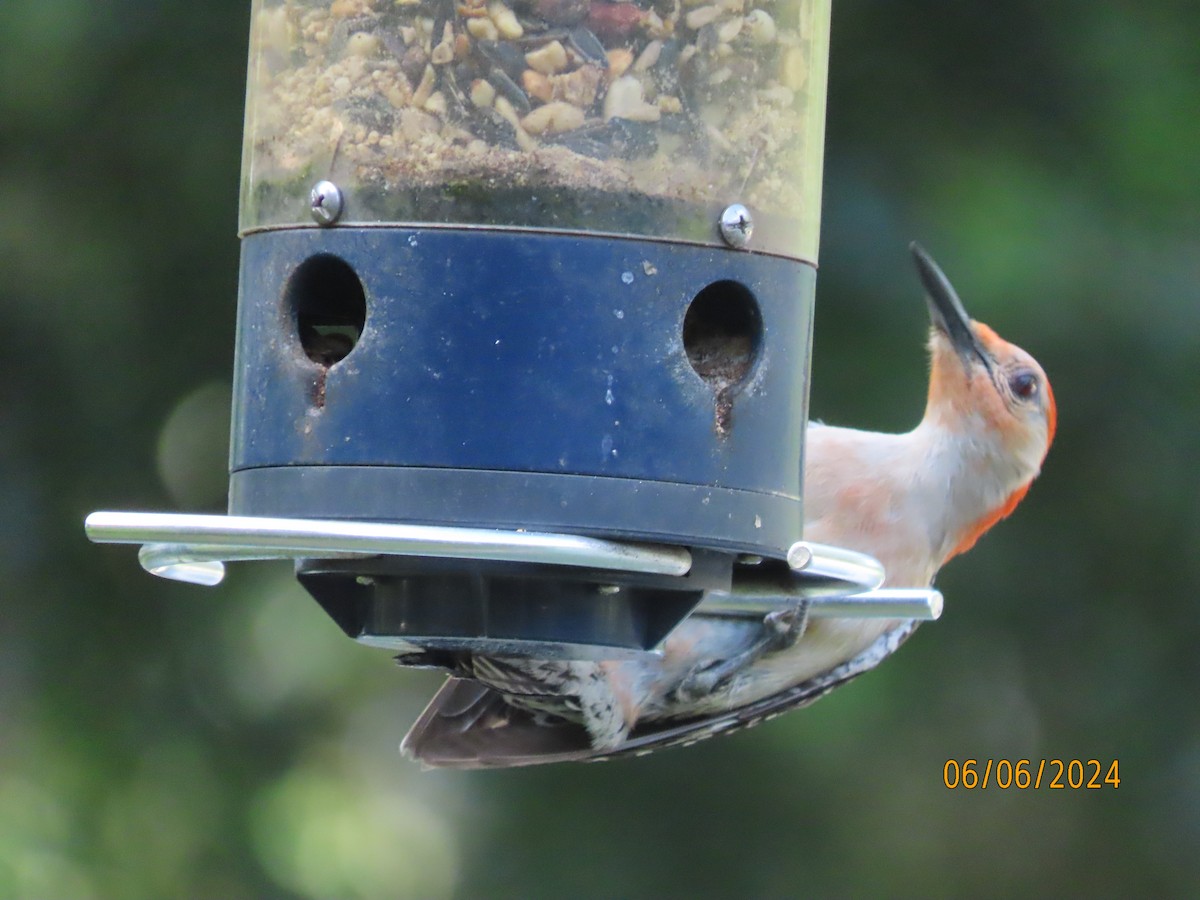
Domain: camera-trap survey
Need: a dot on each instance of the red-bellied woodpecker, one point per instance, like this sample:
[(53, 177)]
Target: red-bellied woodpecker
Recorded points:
[(910, 500)]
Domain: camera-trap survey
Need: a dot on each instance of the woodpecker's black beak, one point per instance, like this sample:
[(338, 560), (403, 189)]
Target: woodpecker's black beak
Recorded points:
[(946, 310)]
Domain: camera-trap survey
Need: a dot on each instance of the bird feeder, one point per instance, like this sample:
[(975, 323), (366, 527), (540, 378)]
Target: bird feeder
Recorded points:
[(524, 321)]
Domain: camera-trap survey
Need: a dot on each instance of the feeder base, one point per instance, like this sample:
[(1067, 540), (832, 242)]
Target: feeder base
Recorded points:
[(421, 590)]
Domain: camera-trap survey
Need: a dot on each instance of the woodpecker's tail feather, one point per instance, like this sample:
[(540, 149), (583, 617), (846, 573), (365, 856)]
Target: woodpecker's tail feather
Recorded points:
[(467, 725)]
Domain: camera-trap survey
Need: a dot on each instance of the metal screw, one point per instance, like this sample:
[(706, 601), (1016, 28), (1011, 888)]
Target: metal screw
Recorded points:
[(736, 226), (749, 559), (325, 202)]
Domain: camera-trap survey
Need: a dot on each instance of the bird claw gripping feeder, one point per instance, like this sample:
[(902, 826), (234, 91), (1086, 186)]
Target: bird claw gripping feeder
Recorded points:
[(523, 325)]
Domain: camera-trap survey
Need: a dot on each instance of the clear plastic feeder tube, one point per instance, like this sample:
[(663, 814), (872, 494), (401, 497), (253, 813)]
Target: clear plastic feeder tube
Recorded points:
[(643, 118)]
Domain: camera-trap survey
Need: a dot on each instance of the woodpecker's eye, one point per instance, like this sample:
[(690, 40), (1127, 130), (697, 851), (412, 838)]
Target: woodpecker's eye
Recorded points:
[(1024, 384)]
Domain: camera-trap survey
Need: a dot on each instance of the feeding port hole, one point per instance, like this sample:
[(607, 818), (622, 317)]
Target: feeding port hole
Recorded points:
[(722, 330), (328, 306)]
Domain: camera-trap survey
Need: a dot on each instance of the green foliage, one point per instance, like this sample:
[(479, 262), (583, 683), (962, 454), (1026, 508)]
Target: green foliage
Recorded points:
[(159, 740)]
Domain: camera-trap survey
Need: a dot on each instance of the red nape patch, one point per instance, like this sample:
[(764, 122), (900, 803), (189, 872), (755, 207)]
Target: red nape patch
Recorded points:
[(976, 531), (1051, 416)]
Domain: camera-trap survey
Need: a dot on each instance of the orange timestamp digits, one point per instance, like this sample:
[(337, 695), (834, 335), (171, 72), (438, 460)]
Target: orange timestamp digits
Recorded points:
[(1024, 774)]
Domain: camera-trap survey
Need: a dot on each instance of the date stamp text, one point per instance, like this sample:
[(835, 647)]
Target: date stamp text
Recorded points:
[(1026, 774)]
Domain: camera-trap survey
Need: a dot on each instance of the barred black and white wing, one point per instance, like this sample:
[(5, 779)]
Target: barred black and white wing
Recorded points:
[(471, 725)]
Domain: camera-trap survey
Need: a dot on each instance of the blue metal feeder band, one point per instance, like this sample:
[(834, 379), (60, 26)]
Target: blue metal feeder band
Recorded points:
[(522, 380)]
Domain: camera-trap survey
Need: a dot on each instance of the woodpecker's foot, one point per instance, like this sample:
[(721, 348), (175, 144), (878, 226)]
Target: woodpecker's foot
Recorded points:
[(705, 678), (781, 630)]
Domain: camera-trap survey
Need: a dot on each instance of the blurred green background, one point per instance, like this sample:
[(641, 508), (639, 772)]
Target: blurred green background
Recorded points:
[(160, 740)]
